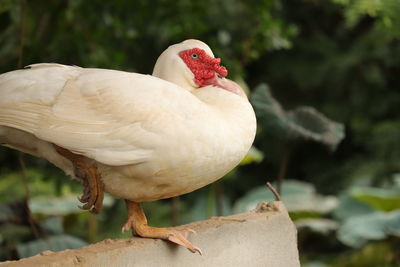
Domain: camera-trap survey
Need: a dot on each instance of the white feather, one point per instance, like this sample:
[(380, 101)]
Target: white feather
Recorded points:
[(149, 137)]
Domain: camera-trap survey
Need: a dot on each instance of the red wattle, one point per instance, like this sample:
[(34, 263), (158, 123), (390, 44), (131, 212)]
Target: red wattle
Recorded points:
[(202, 66)]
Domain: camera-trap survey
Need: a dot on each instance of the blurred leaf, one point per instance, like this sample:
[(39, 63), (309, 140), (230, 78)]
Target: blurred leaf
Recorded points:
[(5, 212), (52, 225), (349, 207), (55, 205), (198, 211), (53, 243), (269, 111), (297, 196), (385, 199), (312, 125), (303, 123), (396, 180), (252, 198), (358, 230), (318, 225), (300, 215), (205, 207), (60, 205), (253, 156)]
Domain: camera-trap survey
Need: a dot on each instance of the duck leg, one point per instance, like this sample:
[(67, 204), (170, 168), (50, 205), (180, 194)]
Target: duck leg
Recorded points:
[(93, 187), (138, 223)]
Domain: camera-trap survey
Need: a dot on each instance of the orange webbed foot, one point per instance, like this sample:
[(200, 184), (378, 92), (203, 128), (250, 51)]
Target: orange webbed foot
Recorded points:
[(138, 223)]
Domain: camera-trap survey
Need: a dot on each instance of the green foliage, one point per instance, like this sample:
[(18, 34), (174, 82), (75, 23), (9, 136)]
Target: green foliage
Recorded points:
[(360, 210), (353, 219), (63, 205), (130, 35), (357, 230), (373, 254), (385, 11), (386, 199), (349, 207), (357, 223), (12, 187), (54, 205)]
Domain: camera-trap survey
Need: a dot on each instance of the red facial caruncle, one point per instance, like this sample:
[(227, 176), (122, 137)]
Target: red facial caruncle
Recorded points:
[(208, 71), (202, 65)]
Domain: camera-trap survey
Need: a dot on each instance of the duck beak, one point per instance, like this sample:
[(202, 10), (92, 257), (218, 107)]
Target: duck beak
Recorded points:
[(225, 84)]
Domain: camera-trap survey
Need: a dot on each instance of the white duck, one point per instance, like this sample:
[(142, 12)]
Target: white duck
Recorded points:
[(138, 137)]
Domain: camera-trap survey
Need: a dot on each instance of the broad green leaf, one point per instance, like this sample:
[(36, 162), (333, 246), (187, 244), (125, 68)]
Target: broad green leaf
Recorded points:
[(269, 112), (53, 243), (349, 207), (358, 230), (55, 205), (385, 199), (302, 123), (308, 123)]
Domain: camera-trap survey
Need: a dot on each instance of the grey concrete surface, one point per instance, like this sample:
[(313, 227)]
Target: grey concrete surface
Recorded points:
[(263, 237)]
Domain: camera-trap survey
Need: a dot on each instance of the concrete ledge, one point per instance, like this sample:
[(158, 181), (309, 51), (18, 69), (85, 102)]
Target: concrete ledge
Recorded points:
[(264, 237)]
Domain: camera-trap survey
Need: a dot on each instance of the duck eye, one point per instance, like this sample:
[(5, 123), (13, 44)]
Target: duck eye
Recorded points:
[(219, 76), (194, 56)]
